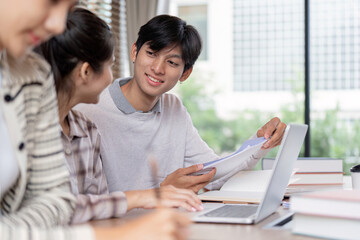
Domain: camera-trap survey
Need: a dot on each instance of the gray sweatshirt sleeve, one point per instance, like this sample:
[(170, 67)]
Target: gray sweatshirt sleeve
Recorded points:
[(197, 151)]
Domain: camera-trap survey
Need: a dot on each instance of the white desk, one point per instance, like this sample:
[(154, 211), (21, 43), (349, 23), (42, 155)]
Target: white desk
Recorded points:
[(202, 231), (207, 231), (210, 231)]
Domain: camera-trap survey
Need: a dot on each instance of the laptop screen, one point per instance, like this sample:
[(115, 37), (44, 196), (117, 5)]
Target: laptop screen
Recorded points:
[(284, 164)]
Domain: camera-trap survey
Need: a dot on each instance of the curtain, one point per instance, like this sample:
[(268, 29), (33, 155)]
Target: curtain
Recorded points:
[(138, 12), (163, 7)]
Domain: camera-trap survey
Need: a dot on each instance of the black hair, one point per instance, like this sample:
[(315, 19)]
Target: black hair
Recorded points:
[(86, 38), (165, 30)]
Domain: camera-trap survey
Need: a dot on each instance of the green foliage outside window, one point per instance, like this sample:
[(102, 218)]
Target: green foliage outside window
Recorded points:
[(330, 137)]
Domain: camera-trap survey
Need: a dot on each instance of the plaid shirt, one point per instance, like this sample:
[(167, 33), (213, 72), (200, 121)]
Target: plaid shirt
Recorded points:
[(88, 182)]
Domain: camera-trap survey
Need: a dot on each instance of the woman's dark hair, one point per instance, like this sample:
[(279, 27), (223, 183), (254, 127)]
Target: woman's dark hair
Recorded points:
[(87, 38), (165, 30)]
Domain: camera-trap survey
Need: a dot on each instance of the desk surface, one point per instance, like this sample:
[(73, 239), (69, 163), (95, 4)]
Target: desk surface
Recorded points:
[(210, 231), (244, 232)]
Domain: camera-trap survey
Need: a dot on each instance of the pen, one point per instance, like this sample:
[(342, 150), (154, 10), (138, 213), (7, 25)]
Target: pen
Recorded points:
[(154, 170)]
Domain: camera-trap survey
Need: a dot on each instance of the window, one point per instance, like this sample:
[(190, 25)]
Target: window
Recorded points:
[(268, 44), (335, 44), (335, 79), (196, 15), (258, 71)]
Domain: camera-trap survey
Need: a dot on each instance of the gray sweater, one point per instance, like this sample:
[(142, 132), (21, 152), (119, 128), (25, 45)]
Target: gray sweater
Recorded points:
[(130, 136)]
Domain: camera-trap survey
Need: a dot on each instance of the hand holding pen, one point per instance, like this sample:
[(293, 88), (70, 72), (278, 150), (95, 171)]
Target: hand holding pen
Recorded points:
[(154, 175), (178, 221), (170, 196)]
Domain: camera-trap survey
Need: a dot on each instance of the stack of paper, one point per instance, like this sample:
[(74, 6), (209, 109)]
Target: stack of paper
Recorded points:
[(233, 161), (314, 171)]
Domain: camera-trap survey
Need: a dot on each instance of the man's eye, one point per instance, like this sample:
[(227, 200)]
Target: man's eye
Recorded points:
[(173, 63)]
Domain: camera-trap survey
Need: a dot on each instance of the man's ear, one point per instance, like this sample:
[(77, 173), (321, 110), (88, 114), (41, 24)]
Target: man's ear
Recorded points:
[(133, 52), (85, 71), (185, 75)]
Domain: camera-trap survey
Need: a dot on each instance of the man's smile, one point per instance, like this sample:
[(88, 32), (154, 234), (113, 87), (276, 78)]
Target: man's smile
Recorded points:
[(154, 79)]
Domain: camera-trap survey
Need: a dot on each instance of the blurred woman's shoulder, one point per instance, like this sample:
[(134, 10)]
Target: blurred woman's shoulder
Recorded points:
[(31, 67)]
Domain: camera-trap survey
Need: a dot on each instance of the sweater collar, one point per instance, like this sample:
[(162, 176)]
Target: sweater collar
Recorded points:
[(120, 100)]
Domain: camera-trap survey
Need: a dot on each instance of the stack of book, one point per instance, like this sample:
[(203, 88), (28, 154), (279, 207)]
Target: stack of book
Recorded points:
[(313, 171), (331, 214)]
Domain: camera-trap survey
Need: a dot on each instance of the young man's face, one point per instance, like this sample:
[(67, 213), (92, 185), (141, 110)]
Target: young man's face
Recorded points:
[(157, 72)]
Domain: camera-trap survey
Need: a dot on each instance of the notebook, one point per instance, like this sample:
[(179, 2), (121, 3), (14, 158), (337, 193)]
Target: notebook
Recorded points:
[(284, 163)]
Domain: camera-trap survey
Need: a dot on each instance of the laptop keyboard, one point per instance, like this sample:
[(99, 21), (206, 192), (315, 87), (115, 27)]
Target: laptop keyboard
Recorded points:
[(234, 211)]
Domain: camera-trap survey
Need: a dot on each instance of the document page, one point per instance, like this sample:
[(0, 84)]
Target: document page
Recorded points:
[(255, 181), (245, 186), (226, 164)]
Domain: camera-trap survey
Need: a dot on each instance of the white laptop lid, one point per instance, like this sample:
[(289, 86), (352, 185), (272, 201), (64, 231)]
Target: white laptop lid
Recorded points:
[(284, 163)]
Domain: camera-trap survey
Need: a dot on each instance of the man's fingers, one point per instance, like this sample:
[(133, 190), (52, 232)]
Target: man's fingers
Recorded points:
[(200, 184), (192, 169), (260, 132), (270, 127), (197, 188), (276, 137), (205, 177)]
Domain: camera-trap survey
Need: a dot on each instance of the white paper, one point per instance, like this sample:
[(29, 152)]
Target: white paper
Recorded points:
[(255, 181), (226, 164)]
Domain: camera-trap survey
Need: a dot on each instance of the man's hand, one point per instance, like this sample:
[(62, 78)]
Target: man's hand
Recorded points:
[(274, 129), (181, 179)]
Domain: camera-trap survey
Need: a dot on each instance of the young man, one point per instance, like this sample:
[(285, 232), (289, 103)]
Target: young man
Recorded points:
[(138, 119)]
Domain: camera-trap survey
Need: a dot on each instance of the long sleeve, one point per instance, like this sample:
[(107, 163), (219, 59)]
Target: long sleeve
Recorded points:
[(88, 181), (90, 206), (41, 198), (197, 151)]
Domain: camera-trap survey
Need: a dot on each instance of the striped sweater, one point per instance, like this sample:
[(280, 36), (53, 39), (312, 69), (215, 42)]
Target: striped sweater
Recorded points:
[(41, 197)]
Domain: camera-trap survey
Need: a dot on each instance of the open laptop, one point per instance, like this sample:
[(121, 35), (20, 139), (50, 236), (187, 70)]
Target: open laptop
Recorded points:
[(284, 163)]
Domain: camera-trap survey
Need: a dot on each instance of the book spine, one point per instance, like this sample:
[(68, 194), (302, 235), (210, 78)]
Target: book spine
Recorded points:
[(310, 165)]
